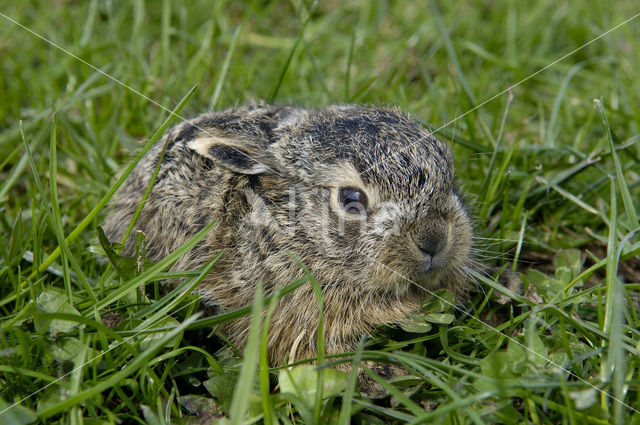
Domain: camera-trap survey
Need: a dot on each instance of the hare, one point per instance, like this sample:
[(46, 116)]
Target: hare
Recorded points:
[(364, 196)]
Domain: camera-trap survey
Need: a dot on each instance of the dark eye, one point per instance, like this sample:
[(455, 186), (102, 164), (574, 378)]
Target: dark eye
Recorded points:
[(352, 200)]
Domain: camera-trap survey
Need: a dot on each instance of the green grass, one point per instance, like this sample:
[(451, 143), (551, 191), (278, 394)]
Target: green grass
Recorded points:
[(551, 170)]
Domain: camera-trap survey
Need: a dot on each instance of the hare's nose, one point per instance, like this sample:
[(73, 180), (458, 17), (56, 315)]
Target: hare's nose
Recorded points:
[(432, 242)]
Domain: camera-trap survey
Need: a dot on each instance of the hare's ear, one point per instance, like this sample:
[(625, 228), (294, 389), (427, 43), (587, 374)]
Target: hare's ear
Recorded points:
[(236, 154)]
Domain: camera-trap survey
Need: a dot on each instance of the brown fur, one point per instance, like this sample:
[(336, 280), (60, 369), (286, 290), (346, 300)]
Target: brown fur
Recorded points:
[(271, 176)]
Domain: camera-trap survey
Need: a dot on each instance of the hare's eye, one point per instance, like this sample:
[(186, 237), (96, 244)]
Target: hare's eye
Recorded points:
[(352, 200)]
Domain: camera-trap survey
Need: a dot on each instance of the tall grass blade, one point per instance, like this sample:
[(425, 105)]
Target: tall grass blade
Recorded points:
[(347, 399), (55, 204), (285, 67), (244, 385), (224, 71), (622, 182), (615, 366), (54, 225)]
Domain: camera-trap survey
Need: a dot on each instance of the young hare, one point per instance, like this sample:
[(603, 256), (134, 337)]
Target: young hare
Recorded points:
[(363, 196)]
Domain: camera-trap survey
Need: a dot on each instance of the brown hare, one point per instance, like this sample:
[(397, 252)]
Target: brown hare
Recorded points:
[(364, 196)]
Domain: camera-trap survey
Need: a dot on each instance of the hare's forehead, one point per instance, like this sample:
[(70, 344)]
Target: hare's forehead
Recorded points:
[(369, 138), (396, 166)]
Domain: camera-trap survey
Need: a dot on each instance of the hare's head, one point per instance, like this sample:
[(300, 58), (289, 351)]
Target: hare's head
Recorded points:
[(364, 196)]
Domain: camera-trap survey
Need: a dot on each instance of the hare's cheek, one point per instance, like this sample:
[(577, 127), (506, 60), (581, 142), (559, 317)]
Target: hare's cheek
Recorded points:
[(346, 233), (397, 253), (460, 237)]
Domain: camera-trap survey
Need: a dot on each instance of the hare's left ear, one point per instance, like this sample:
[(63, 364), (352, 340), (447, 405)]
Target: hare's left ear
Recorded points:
[(232, 152), (244, 139)]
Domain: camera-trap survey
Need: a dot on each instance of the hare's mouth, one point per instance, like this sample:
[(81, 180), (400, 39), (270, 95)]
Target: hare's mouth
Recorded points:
[(431, 257), (429, 280)]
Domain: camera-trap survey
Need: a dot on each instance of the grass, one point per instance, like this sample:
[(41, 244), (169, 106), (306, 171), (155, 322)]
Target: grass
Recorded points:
[(551, 169)]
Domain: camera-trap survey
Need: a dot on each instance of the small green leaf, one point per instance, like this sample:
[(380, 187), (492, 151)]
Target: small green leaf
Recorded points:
[(302, 381), (497, 374), (127, 267), (416, 323), (536, 277), (221, 387), (547, 286), (51, 301), (570, 258), (150, 416), (568, 264), (439, 318), (516, 357), (439, 301), (51, 396), (537, 352), (584, 398), (555, 286), (70, 348), (205, 409), (564, 275), (16, 415)]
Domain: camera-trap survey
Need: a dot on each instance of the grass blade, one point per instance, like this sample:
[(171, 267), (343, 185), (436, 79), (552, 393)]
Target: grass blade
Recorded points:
[(222, 76), (54, 225), (622, 183), (263, 365), (285, 67), (55, 204), (347, 399), (244, 386), (614, 316)]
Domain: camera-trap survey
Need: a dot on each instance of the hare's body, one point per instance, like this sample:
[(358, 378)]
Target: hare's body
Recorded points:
[(364, 197)]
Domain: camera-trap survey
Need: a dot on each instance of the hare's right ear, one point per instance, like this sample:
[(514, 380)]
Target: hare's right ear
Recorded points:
[(232, 152)]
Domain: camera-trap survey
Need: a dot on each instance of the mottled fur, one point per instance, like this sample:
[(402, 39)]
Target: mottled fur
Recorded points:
[(270, 175)]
